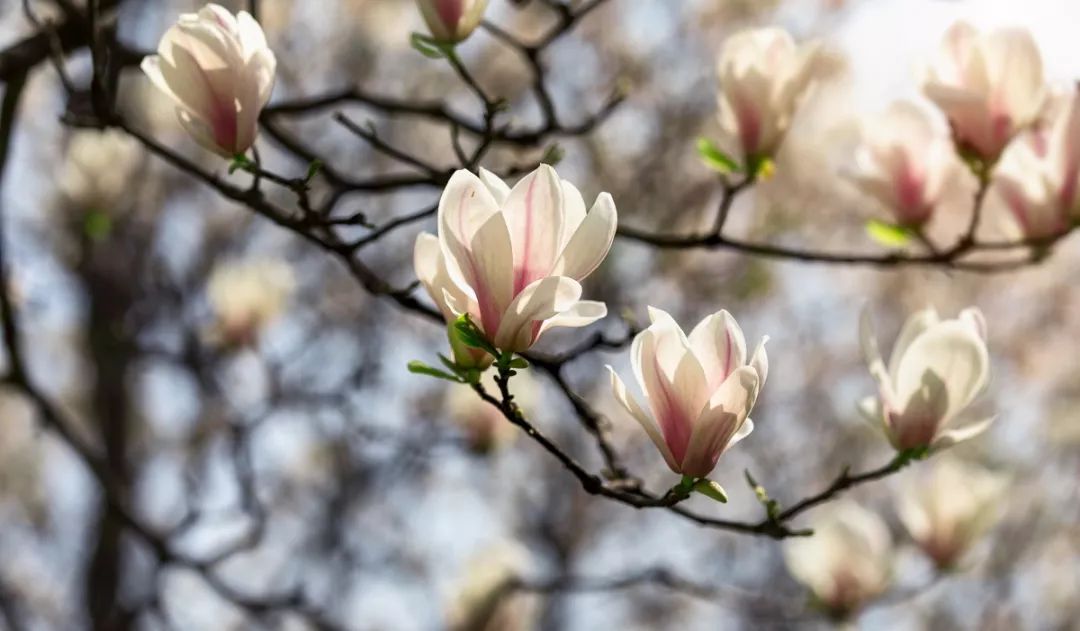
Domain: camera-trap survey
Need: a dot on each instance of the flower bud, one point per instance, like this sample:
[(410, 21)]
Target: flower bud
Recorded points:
[(246, 296), (905, 161), (764, 77), (989, 85), (1038, 178), (847, 562), (949, 508), (452, 21), (700, 389), (220, 72)]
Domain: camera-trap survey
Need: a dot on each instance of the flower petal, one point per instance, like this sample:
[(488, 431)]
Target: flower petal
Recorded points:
[(541, 300), (591, 242), (913, 327), (584, 313), (954, 355), (719, 344), (534, 214), (647, 423), (495, 185), (950, 437), (718, 424)]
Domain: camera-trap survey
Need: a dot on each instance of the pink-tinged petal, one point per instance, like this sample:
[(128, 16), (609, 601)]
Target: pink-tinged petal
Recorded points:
[(921, 418), (720, 422), (465, 205), (488, 253), (631, 405), (201, 133), (534, 214), (719, 344), (450, 12), (674, 420), (671, 344), (539, 301), (220, 16), (590, 243)]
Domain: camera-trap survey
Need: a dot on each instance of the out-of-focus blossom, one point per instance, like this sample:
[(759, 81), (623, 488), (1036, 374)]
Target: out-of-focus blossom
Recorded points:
[(989, 85), (906, 162), (98, 168), (764, 76), (246, 296), (477, 603), (220, 72), (937, 368), (451, 21), (700, 389), (848, 560), (947, 510), (485, 427), (1038, 174), (512, 258)]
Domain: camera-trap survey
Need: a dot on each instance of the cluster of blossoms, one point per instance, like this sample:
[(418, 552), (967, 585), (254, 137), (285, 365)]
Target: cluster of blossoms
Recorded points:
[(849, 560), (512, 258), (509, 260)]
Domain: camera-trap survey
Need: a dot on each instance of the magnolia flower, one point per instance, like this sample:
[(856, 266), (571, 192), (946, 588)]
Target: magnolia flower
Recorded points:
[(98, 167), (220, 72), (512, 258), (246, 296), (936, 370), (947, 510), (906, 162), (764, 76), (989, 85), (700, 389), (478, 601), (1037, 176), (847, 562), (451, 21)]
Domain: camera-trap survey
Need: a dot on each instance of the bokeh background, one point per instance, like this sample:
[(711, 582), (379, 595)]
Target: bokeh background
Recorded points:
[(389, 500)]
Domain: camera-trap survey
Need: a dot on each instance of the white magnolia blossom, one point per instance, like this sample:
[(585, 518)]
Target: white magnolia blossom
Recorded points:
[(937, 368), (512, 258), (699, 389), (245, 296), (764, 76), (989, 85), (451, 21), (1038, 174), (220, 72), (98, 168), (477, 602), (848, 560), (906, 161), (948, 509)]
